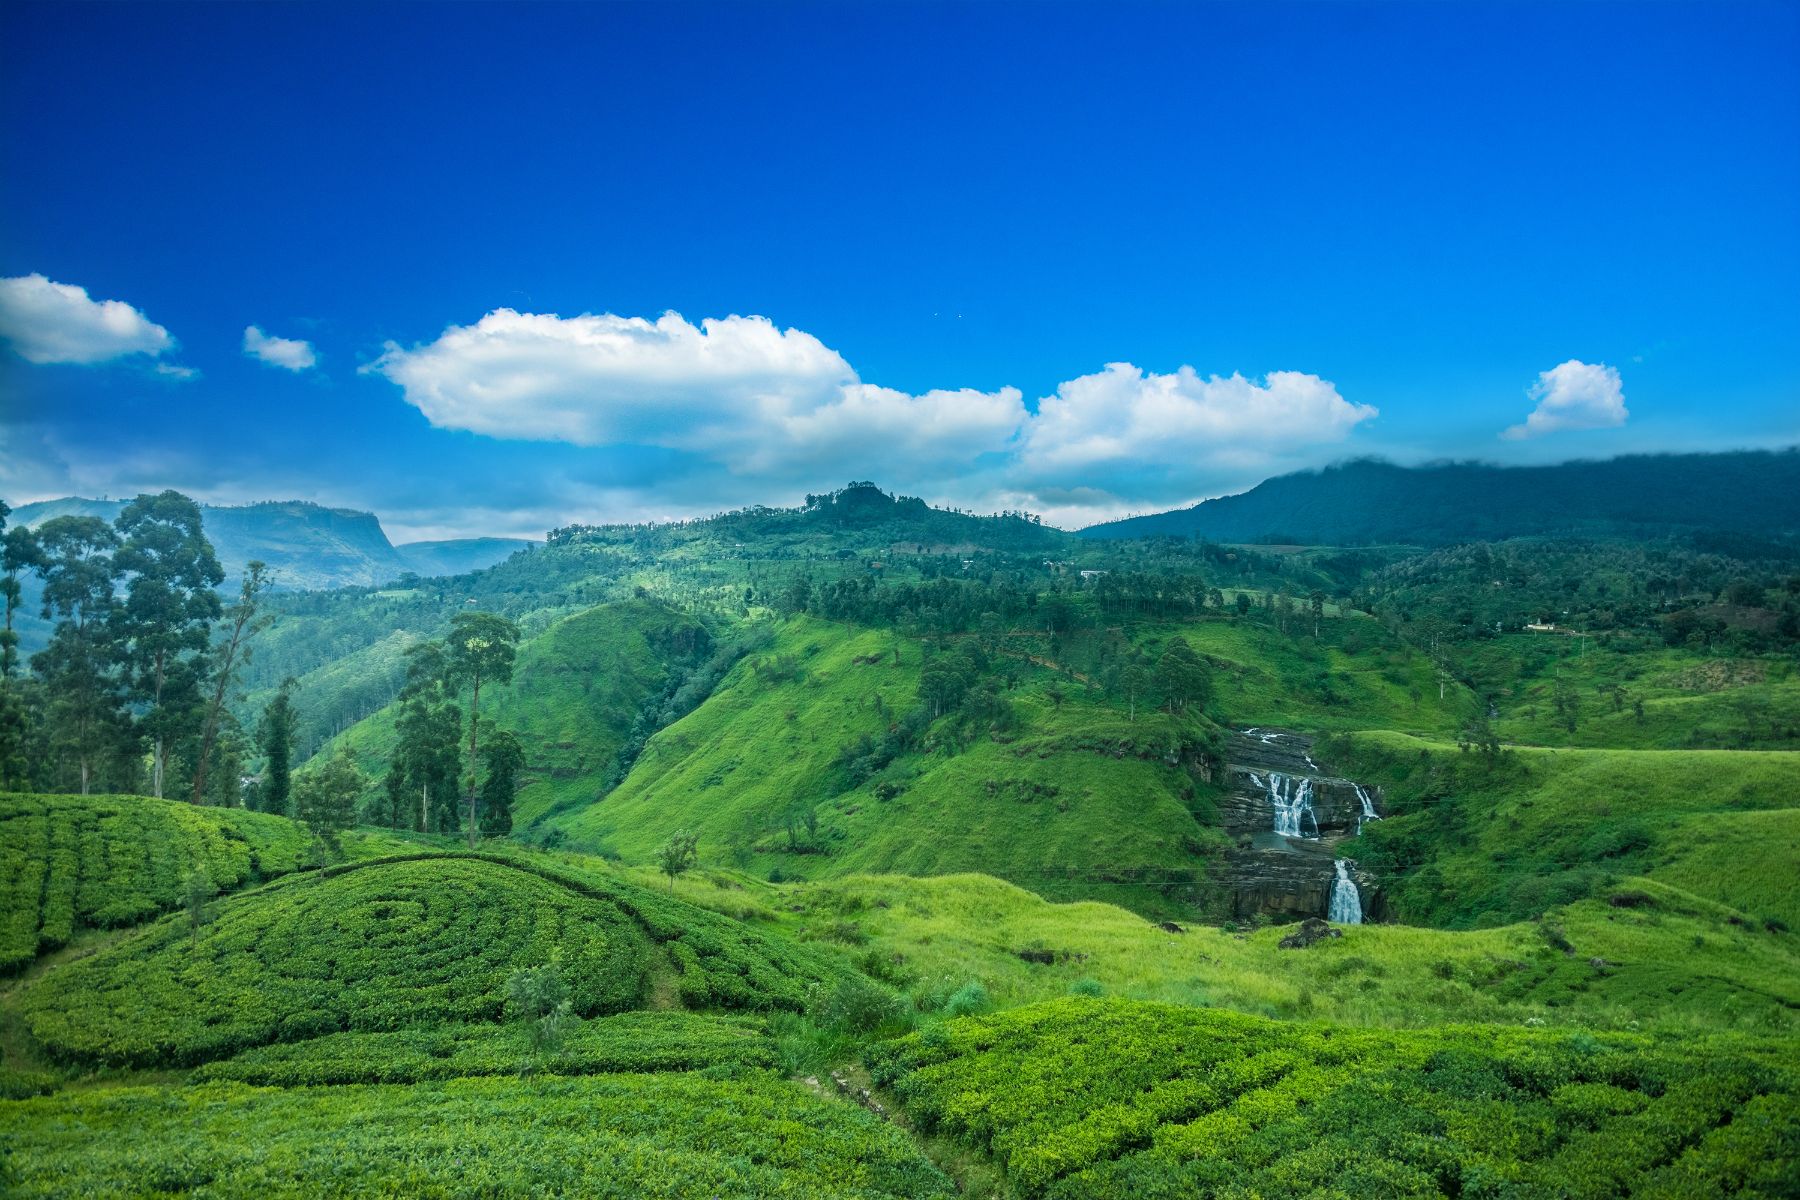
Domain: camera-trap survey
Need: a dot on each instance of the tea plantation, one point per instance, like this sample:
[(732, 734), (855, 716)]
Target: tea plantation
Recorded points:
[(1095, 1099), (625, 1043), (386, 945), (72, 862), (617, 1136)]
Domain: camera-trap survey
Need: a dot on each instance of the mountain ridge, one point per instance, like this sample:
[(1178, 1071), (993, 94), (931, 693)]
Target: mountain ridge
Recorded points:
[(1373, 501)]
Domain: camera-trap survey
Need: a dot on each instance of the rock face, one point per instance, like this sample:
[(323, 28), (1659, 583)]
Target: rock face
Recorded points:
[(1288, 813), (1311, 930)]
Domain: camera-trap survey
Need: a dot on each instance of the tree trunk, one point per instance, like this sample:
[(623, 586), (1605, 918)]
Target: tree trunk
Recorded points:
[(474, 720), (425, 806)]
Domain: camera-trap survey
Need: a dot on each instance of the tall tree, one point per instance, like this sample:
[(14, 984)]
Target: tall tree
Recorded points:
[(425, 761), (165, 622), (480, 649), (229, 657), (78, 666), (325, 798), (503, 757), (18, 552), (1181, 676), (275, 740)]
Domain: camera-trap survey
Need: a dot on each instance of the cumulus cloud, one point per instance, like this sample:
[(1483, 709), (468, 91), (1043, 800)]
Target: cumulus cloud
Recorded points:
[(290, 354), (759, 400), (741, 399), (1573, 395), (49, 322)]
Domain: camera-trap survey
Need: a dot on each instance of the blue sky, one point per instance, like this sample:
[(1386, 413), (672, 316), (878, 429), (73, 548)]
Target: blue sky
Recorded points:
[(1301, 232)]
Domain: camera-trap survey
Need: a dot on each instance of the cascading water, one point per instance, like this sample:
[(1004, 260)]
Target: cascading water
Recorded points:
[(1292, 801), (1368, 812), (1346, 901)]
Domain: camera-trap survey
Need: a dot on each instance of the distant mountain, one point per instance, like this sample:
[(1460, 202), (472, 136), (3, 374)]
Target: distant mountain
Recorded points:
[(306, 546), (460, 556), (1368, 501)]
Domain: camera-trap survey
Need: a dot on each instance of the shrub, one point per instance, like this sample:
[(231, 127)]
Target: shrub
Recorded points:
[(859, 1005), (967, 1000)]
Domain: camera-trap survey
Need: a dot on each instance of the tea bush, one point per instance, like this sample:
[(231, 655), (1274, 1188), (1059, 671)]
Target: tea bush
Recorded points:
[(613, 1136), (375, 947), (399, 942), (68, 862), (1079, 1098), (637, 1042)]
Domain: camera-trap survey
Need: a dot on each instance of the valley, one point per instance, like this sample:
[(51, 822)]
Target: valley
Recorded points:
[(1089, 866)]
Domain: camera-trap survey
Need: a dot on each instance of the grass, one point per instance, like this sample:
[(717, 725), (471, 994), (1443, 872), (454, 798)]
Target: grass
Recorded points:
[(634, 1042), (1677, 962), (1691, 699)]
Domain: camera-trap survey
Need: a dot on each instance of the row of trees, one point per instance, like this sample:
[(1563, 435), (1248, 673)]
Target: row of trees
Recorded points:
[(142, 660), (430, 786)]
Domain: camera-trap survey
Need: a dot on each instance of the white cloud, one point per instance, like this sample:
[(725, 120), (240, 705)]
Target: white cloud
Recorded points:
[(597, 380), (757, 400), (755, 412), (290, 354), (50, 322), (1573, 395)]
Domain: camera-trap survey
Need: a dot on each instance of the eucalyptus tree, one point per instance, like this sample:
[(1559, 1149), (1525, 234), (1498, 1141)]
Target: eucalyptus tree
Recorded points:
[(86, 701), (480, 648), (243, 622), (275, 739), (503, 757), (18, 552), (165, 621), (425, 752)]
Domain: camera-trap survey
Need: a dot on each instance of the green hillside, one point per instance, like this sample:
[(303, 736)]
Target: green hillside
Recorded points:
[(1475, 839), (391, 943), (1667, 959), (577, 690), (1094, 1099)]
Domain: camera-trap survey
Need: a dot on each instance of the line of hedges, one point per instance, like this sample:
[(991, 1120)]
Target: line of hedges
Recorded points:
[(610, 1137), (1099, 1099), (69, 862), (635, 1042)]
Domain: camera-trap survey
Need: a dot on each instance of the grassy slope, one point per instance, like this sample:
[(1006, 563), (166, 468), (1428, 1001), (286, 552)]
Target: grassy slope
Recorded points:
[(1035, 809), (576, 689), (1079, 801), (381, 945), (1355, 675), (1472, 842), (1680, 962), (1690, 698)]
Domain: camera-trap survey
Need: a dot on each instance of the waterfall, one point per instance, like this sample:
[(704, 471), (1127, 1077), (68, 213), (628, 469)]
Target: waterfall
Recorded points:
[(1292, 801), (1368, 812), (1346, 901)]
